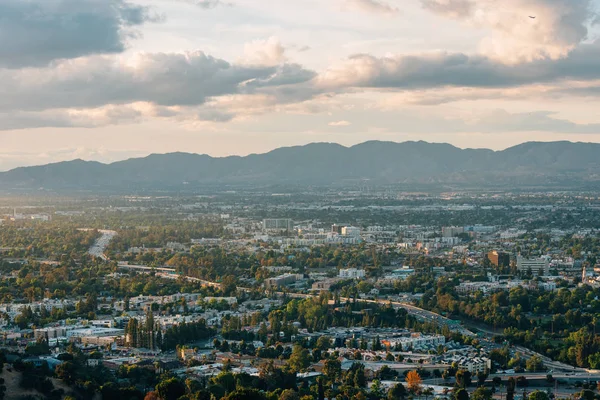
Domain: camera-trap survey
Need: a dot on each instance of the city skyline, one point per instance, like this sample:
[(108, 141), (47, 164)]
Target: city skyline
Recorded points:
[(113, 79)]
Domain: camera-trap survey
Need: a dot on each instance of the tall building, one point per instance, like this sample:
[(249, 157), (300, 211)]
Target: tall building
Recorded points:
[(499, 258), (335, 228), (538, 266), (278, 224), (451, 231)]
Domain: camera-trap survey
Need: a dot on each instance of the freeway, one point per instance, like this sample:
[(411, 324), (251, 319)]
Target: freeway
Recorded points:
[(98, 248)]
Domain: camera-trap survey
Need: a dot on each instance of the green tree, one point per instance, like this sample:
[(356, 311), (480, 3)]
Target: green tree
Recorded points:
[(246, 394), (170, 389), (539, 395), (397, 392), (482, 393), (332, 369), (300, 358)]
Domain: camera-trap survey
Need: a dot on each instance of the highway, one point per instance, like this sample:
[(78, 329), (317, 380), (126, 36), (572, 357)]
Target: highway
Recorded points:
[(98, 248)]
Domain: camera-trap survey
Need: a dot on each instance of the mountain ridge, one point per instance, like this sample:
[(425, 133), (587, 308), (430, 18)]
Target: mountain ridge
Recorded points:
[(382, 162)]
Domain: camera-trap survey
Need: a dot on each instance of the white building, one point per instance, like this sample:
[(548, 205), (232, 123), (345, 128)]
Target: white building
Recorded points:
[(538, 266), (352, 273), (278, 224), (350, 231)]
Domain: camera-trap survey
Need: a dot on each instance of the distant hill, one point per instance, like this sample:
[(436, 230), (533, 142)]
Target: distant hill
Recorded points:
[(557, 164)]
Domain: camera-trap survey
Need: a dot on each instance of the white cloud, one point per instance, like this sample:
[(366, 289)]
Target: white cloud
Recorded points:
[(340, 123), (269, 52), (207, 4), (558, 27), (371, 6)]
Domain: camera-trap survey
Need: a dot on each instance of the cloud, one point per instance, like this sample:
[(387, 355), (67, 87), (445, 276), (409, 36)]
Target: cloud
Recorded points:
[(540, 121), (371, 6), (431, 70), (559, 26), (498, 121), (269, 52), (166, 79), (36, 32), (340, 123), (65, 118), (208, 4)]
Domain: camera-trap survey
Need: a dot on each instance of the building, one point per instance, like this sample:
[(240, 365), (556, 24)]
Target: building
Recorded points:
[(499, 258), (352, 273), (451, 231), (335, 228), (278, 224), (350, 231), (282, 280), (537, 266)]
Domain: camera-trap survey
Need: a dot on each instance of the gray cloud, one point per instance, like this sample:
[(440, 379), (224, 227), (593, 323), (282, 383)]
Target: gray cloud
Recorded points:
[(162, 79), (461, 70), (36, 32), (65, 119)]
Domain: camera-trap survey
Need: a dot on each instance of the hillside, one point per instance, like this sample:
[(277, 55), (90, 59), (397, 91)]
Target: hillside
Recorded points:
[(529, 164)]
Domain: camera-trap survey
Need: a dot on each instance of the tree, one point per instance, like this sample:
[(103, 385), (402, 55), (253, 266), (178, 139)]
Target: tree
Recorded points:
[(535, 364), (300, 358), (376, 390), (539, 395), (246, 394), (510, 388), (397, 392), (323, 343), (413, 381), (152, 396), (427, 392), (585, 394), (170, 389), (332, 369), (289, 394), (461, 394), (463, 378), (481, 378), (481, 393)]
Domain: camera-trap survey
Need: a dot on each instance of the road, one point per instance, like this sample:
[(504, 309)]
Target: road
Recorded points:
[(99, 247)]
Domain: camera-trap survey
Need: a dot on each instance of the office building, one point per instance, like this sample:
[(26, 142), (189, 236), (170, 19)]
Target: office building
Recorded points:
[(499, 258), (335, 228), (451, 231), (538, 266), (350, 231), (352, 273), (278, 224)]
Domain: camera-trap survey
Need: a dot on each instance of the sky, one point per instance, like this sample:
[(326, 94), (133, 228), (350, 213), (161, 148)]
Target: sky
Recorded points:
[(107, 80)]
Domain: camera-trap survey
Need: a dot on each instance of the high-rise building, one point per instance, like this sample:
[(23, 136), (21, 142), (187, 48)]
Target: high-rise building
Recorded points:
[(499, 258), (278, 224)]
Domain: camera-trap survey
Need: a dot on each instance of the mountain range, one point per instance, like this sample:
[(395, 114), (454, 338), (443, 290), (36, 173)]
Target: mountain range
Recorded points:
[(531, 164)]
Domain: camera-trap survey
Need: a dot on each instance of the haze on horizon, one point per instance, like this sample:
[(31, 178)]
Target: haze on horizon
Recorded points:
[(107, 80)]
